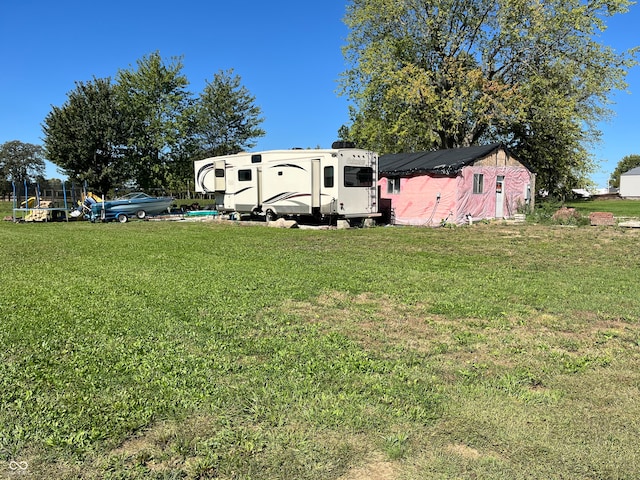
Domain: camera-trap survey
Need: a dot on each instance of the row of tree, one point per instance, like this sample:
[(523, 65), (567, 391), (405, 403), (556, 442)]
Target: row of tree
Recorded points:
[(20, 162), (427, 75), (422, 75), (145, 128)]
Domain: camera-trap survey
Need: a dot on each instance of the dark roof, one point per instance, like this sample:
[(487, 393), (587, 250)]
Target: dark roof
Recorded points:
[(442, 162), (633, 171)]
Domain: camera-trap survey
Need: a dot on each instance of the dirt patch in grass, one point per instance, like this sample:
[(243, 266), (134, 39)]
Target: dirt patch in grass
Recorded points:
[(464, 451), (134, 446), (374, 469), (374, 321), (207, 447), (163, 447)]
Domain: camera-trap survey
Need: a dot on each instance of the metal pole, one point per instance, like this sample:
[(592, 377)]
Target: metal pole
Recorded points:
[(13, 186), (66, 208)]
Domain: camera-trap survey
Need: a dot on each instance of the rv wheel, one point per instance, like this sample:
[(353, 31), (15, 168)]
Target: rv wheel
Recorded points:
[(270, 216), (122, 218), (141, 214)]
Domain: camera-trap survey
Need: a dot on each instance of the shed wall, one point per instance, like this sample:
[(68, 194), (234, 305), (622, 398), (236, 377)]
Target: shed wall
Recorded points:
[(418, 202), (517, 187), (630, 185), (428, 199)]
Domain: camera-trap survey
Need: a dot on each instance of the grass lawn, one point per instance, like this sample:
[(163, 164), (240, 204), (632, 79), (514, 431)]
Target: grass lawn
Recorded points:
[(200, 350), (619, 208)]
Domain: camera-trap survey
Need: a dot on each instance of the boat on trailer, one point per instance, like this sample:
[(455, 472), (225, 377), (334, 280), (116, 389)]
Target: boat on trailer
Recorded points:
[(134, 204)]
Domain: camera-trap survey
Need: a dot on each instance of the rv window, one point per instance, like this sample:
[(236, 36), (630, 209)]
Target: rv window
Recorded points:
[(244, 175), (328, 177), (478, 181), (393, 185), (257, 158), (220, 172), (358, 176)]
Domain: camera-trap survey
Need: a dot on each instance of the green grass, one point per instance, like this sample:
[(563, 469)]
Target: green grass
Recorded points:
[(195, 350), (619, 208), (6, 208)]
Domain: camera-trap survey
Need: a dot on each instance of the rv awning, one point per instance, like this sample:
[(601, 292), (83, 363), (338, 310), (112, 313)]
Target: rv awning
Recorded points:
[(442, 162)]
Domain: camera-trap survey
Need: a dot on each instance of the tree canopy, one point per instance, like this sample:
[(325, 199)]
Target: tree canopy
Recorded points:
[(624, 165), (146, 128), (156, 105), (227, 118), (425, 75), (21, 161), (86, 136)]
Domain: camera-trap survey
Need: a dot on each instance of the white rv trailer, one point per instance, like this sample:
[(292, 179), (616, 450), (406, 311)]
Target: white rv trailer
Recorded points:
[(334, 183)]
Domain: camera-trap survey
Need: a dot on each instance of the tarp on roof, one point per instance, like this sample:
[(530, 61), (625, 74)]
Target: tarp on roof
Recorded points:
[(442, 162)]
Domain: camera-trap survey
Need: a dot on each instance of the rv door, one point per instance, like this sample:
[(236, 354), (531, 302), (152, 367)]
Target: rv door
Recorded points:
[(220, 182)]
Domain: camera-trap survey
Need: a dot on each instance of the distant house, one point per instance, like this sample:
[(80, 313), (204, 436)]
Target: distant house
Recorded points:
[(630, 183), (454, 185)]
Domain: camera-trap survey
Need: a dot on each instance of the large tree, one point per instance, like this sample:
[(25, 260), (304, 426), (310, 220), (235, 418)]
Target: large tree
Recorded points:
[(450, 73), (145, 129), (227, 117), (21, 162), (86, 136), (627, 163), (157, 108)]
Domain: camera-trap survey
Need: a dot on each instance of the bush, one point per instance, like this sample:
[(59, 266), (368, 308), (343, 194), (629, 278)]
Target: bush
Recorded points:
[(566, 216), (553, 213), (543, 211)]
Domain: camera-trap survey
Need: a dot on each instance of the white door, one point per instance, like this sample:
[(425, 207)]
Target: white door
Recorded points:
[(316, 182), (500, 196)]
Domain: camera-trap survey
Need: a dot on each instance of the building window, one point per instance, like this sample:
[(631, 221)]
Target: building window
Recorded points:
[(328, 177), (393, 185), (244, 175), (478, 182)]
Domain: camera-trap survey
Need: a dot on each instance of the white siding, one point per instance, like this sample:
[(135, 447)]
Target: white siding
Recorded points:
[(630, 183)]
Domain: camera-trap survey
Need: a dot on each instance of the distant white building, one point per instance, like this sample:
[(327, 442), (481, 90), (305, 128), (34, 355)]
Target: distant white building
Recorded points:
[(630, 183), (581, 192)]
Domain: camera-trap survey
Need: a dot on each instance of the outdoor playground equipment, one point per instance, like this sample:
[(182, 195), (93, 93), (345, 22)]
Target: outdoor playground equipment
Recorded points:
[(34, 209)]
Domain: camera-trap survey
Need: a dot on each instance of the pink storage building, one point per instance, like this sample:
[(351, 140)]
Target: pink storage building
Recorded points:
[(455, 185)]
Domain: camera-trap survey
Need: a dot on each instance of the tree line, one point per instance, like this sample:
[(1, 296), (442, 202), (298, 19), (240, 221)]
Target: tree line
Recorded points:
[(145, 128), (421, 75)]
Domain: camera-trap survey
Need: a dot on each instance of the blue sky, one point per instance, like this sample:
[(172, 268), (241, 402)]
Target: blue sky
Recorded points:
[(288, 54)]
